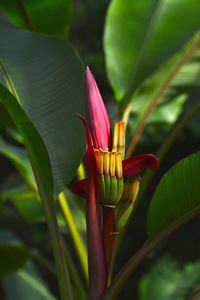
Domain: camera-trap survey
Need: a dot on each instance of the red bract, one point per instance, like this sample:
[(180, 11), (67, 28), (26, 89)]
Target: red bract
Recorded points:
[(98, 117)]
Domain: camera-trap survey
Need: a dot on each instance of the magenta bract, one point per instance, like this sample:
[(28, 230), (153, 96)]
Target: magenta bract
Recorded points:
[(98, 117)]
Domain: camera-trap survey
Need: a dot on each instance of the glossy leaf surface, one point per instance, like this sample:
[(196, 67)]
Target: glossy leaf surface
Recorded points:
[(176, 198), (47, 77)]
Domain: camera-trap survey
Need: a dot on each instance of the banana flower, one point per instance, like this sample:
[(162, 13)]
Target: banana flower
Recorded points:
[(104, 186)]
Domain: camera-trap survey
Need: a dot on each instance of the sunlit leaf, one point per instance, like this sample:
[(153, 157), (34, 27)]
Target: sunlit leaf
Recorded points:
[(141, 35), (166, 281), (179, 85), (26, 283), (176, 197)]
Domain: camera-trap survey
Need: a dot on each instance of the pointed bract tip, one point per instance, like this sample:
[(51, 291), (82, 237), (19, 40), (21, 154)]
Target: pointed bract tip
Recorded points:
[(98, 116), (134, 165)]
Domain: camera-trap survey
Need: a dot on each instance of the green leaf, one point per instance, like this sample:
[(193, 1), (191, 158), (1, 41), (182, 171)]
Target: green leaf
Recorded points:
[(26, 202), (176, 197), (26, 283), (46, 16), (32, 139), (166, 281), (181, 79), (43, 175), (5, 120), (48, 79), (141, 35), (12, 258), (18, 157)]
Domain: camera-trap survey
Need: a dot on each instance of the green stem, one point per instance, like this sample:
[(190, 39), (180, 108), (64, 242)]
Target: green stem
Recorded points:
[(130, 267), (53, 227), (79, 291), (76, 237), (44, 262), (61, 267)]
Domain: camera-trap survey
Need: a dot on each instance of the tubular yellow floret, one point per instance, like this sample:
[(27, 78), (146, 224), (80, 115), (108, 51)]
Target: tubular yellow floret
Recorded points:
[(100, 157), (131, 190), (121, 134), (112, 163), (115, 137), (118, 163), (106, 162)]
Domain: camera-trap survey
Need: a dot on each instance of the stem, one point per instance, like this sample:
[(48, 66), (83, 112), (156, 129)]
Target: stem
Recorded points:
[(76, 237), (118, 283), (24, 14), (79, 291), (141, 125), (44, 262), (195, 295), (53, 228), (96, 254), (126, 114), (58, 251), (109, 233)]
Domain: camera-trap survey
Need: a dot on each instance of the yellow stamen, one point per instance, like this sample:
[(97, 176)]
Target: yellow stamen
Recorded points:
[(112, 163), (121, 134), (115, 138), (131, 190), (118, 163), (106, 162), (101, 162)]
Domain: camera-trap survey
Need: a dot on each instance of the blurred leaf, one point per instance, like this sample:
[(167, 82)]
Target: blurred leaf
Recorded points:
[(5, 120), (141, 35), (15, 135), (18, 157), (176, 197), (186, 79), (26, 284), (35, 146), (25, 201), (46, 16), (12, 258), (166, 281), (47, 78), (159, 89), (165, 114)]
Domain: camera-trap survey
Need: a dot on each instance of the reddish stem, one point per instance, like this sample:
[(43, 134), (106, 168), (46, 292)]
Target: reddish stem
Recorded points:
[(109, 232)]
